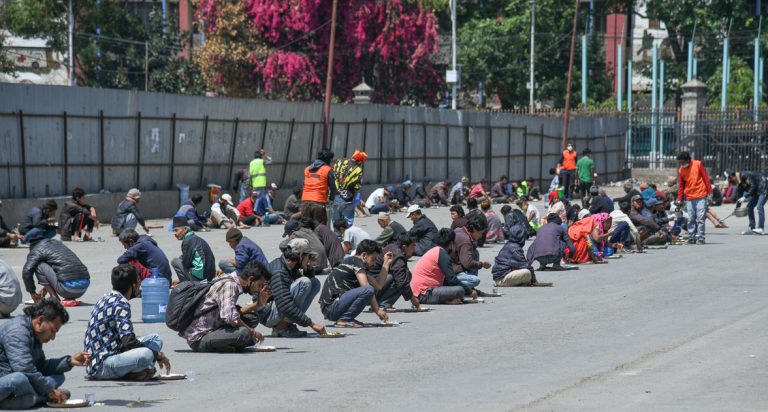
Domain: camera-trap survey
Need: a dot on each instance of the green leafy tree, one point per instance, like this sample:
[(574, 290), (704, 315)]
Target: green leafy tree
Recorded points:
[(110, 43), (495, 49)]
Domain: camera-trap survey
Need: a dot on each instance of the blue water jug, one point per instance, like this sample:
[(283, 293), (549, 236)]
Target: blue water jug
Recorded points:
[(154, 298)]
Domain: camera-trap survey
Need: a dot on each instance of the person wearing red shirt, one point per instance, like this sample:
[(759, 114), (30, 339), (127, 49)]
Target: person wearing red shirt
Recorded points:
[(246, 209), (695, 188)]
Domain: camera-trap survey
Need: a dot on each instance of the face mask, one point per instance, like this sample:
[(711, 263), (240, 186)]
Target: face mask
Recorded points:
[(684, 165), (570, 148)]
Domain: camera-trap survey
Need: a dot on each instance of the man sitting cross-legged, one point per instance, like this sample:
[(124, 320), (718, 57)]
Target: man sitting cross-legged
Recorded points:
[(220, 327), (110, 338)]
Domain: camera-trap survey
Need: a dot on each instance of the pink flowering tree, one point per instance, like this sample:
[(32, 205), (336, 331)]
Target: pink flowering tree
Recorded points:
[(279, 48)]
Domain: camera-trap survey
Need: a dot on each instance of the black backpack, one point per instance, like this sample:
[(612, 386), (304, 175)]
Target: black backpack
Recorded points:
[(183, 304)]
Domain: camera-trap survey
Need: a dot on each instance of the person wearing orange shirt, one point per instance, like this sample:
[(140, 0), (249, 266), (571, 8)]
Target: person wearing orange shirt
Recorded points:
[(695, 188), (568, 170), (319, 180)]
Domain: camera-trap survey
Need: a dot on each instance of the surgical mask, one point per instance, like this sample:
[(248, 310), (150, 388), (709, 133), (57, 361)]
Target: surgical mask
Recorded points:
[(570, 148), (684, 165)]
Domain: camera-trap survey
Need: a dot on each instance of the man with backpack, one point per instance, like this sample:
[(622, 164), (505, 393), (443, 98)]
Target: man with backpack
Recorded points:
[(349, 179), (214, 322)]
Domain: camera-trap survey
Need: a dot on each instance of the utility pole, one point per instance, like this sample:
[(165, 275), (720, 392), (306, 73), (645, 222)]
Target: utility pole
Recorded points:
[(453, 53), (146, 66), (71, 34), (329, 77), (570, 77), (532, 76)]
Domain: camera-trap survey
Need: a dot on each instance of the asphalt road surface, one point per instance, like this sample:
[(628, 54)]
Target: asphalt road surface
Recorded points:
[(682, 329)]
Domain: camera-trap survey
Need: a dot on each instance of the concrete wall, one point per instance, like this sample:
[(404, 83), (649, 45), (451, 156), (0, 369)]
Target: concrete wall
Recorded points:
[(58, 138)]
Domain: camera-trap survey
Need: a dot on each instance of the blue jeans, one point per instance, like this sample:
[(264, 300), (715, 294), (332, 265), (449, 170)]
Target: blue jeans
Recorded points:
[(759, 203), (621, 234), (134, 360), (350, 304), (36, 232), (697, 209), (242, 189), (303, 291), (17, 393), (568, 179), (468, 279), (343, 210)]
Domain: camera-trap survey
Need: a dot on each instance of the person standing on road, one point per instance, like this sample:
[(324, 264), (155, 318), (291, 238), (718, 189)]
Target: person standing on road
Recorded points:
[(349, 179), (586, 170), (567, 167), (696, 189), (257, 169), (751, 187), (319, 180)]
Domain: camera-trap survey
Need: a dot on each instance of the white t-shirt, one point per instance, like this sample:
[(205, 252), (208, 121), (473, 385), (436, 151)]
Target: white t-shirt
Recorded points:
[(373, 199), (354, 235), (536, 215)]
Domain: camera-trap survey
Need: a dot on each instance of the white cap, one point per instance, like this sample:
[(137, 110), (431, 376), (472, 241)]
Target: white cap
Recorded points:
[(412, 209), (227, 198)]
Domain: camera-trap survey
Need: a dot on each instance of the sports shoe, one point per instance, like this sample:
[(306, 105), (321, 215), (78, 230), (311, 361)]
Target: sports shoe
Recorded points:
[(748, 231), (288, 332), (691, 241), (758, 231), (700, 242)]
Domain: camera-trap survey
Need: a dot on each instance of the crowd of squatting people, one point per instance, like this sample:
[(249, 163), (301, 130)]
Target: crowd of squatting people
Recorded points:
[(321, 240)]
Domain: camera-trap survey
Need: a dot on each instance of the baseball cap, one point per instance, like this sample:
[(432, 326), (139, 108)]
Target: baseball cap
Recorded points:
[(636, 197), (134, 193), (273, 185), (227, 198), (180, 221), (651, 202), (383, 215), (300, 245), (412, 209), (290, 227)]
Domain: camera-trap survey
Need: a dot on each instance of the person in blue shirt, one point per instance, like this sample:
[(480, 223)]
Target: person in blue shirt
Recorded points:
[(245, 251), (264, 206)]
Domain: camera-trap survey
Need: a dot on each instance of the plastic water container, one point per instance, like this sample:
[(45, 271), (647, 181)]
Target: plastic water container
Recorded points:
[(154, 298)]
